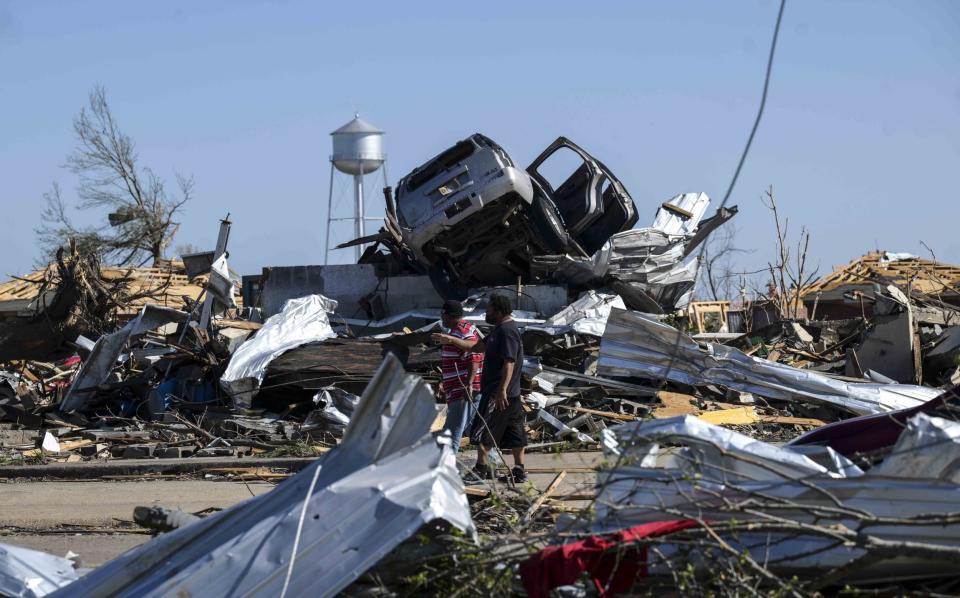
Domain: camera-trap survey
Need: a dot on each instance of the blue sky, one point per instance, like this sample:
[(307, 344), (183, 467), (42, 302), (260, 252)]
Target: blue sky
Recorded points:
[(861, 138)]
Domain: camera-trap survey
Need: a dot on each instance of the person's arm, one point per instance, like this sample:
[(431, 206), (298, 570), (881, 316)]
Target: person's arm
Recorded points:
[(508, 365), (511, 351), (469, 345), (474, 366)]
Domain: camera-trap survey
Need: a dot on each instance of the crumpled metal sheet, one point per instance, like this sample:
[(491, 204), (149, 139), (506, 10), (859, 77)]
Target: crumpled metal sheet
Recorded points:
[(659, 261), (220, 284), (708, 469), (672, 223), (563, 430), (26, 573), (890, 256), (636, 345), (431, 316), (587, 315), (654, 262), (97, 367), (336, 406), (387, 478), (713, 447), (929, 447), (303, 320), (542, 401)]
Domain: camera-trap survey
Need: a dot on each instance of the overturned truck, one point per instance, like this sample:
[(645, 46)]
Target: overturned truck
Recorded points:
[(470, 218)]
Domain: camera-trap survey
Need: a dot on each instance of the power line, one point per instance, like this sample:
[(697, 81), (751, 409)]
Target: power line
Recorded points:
[(743, 158)]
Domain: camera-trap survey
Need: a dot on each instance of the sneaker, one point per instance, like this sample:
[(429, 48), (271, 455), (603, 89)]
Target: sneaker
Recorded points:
[(518, 473), (484, 472)]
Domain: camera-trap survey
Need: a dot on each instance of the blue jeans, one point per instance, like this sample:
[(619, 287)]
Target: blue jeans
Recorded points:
[(460, 414)]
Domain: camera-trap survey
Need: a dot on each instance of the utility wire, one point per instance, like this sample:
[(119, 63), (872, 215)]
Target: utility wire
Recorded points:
[(763, 103), (736, 173)]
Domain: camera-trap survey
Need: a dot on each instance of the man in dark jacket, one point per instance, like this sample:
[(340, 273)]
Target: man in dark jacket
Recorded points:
[(500, 413)]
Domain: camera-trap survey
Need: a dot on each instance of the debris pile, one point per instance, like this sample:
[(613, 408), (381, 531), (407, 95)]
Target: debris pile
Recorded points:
[(823, 449), (800, 510)]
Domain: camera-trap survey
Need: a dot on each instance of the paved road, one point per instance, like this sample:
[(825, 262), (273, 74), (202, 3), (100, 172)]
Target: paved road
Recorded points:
[(100, 504), (84, 516), (575, 482), (50, 509)]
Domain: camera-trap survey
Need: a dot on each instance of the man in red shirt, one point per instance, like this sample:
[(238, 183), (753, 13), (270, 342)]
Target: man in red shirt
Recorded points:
[(461, 372)]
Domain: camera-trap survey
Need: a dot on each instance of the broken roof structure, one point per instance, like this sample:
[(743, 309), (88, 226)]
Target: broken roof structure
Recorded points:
[(837, 294), (165, 286)]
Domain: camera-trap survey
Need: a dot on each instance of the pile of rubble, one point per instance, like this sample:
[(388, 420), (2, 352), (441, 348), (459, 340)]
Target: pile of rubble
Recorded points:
[(823, 449)]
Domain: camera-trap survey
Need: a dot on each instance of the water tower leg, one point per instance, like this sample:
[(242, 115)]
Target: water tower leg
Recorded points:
[(359, 228), (386, 180), (326, 238)]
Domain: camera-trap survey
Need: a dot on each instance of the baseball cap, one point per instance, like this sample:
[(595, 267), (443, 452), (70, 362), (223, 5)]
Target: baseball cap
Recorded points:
[(452, 308)]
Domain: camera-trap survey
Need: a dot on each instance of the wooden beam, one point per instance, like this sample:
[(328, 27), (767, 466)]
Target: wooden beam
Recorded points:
[(676, 210), (618, 416), (546, 494)]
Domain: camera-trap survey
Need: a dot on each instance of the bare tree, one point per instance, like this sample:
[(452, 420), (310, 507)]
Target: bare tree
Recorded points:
[(139, 212), (788, 273), (186, 249), (718, 276)]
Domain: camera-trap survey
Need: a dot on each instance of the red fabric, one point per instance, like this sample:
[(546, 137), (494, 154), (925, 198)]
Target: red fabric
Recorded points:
[(72, 361), (613, 571)]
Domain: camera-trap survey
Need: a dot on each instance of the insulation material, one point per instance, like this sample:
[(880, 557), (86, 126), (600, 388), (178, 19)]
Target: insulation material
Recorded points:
[(303, 320)]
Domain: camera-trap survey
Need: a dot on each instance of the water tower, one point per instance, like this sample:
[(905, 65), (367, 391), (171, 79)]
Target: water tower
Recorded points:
[(357, 151)]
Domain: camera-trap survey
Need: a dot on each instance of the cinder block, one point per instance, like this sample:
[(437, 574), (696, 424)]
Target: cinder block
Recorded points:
[(139, 451), (92, 450), (174, 452)]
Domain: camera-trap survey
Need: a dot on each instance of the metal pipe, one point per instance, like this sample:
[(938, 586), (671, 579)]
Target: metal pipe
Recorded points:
[(326, 239), (358, 180)]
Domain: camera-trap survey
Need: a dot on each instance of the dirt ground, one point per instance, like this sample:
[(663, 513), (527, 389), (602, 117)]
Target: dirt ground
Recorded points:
[(95, 518)]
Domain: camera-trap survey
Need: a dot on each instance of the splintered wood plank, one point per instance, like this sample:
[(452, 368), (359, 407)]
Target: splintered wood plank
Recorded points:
[(788, 420), (675, 403), (546, 494), (735, 416), (618, 416)]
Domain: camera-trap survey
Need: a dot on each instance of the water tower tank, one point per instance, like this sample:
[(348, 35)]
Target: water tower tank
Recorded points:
[(357, 147)]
